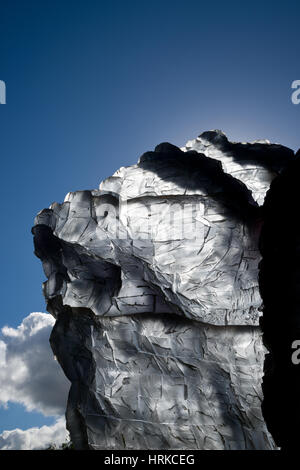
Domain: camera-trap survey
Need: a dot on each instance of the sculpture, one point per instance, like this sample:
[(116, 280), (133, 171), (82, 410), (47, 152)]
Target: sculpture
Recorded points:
[(153, 281)]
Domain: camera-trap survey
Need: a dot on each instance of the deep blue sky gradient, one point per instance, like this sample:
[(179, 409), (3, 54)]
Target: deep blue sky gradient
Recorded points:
[(91, 85)]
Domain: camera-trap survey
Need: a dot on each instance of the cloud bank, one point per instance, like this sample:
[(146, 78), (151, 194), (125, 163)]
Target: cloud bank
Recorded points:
[(34, 438), (30, 376)]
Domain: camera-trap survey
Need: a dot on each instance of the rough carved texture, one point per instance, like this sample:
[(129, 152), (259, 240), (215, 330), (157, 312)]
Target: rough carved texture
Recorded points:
[(153, 280)]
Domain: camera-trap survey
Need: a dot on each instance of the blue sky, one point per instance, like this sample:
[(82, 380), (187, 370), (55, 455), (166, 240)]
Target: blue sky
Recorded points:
[(91, 85)]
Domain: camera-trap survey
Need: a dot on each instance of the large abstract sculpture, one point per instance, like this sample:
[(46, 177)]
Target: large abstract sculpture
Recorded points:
[(153, 281)]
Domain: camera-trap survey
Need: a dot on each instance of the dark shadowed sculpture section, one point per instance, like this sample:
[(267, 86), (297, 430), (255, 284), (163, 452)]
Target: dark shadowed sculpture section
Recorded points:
[(280, 290), (153, 281)]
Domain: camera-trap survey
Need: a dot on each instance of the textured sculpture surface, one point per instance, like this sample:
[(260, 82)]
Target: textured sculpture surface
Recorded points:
[(153, 280)]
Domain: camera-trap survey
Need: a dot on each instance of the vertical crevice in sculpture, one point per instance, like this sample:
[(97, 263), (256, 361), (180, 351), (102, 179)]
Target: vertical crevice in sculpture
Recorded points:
[(68, 341), (279, 280)]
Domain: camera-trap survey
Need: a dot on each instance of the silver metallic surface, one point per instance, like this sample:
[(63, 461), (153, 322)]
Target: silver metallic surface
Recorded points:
[(153, 281)]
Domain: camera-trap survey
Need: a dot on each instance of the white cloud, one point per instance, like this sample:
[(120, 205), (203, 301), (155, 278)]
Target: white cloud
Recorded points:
[(29, 375), (34, 438)]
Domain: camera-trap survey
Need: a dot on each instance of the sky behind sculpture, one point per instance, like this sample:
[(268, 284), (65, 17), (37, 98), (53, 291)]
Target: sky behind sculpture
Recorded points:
[(91, 85)]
